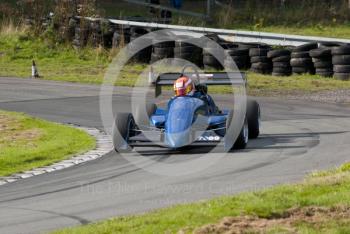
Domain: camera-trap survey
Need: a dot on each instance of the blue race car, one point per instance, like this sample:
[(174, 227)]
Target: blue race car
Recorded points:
[(187, 120)]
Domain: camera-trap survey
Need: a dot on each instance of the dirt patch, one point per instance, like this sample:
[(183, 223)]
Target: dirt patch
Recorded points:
[(12, 132), (286, 221)]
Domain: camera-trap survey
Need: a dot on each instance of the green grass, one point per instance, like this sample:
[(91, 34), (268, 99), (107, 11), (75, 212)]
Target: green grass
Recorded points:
[(63, 63), (329, 190), (27, 142)]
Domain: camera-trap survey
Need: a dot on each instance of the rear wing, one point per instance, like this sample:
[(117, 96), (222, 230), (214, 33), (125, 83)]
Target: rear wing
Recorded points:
[(207, 78)]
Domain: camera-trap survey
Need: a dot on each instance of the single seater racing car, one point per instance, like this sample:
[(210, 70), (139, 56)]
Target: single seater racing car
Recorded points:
[(186, 120)]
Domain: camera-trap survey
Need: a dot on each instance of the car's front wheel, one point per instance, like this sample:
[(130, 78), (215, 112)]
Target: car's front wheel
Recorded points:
[(243, 138), (123, 127)]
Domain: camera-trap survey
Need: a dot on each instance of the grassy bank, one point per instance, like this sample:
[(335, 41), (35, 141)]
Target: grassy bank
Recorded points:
[(27, 142), (320, 204), (63, 63)]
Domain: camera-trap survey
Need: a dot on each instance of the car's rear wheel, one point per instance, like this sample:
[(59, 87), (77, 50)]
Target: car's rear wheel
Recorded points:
[(122, 131)]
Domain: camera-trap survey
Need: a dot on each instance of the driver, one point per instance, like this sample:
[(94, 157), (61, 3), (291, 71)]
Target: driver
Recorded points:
[(184, 86)]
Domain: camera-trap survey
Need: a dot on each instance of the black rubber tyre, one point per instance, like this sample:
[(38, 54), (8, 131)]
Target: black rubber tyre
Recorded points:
[(158, 44), (286, 70), (278, 53), (228, 45), (166, 51), (324, 70), (342, 76), (210, 60), (253, 45), (341, 50), (302, 54), (186, 49), (155, 58), (184, 55), (262, 66), (243, 138), (281, 64), (260, 59), (253, 118), (323, 64), (341, 68), (241, 58), (258, 52), (321, 53), (121, 132), (306, 47), (301, 62), (301, 70), (330, 44), (237, 52), (282, 59), (341, 60), (139, 31)]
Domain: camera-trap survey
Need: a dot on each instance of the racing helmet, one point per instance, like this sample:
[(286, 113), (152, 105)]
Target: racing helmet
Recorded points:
[(183, 86)]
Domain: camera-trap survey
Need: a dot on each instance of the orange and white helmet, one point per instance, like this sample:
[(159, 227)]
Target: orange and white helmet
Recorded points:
[(183, 86)]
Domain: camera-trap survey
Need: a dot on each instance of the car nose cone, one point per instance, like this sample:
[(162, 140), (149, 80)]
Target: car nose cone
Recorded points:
[(177, 140)]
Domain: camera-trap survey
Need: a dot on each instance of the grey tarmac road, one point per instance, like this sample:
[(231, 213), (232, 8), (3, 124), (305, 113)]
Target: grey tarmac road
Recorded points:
[(298, 137)]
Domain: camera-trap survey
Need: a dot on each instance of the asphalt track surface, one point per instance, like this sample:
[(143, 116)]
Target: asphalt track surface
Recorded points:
[(298, 137)]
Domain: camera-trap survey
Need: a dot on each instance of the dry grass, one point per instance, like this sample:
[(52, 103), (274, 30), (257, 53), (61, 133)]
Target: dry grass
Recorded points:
[(9, 28)]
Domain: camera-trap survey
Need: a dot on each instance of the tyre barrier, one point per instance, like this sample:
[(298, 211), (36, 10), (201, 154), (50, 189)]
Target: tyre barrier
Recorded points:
[(322, 59), (281, 62), (162, 48), (240, 57), (259, 60), (326, 59), (341, 62), (187, 51), (301, 61)]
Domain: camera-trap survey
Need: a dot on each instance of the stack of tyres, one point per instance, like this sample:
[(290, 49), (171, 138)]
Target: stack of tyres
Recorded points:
[(187, 51), (212, 62), (121, 37), (341, 62), (322, 59), (239, 56), (281, 62), (259, 60), (163, 47), (301, 61), (143, 55)]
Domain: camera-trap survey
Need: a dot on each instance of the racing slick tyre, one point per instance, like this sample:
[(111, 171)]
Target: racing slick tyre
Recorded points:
[(143, 114), (243, 138), (121, 132), (253, 118)]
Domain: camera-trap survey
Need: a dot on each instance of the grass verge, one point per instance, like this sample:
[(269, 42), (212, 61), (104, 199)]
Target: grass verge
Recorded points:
[(27, 142), (63, 63), (320, 204)]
